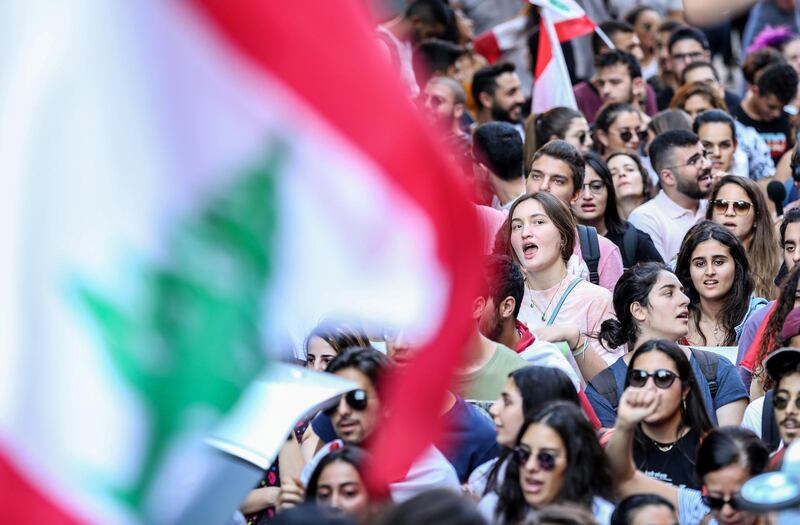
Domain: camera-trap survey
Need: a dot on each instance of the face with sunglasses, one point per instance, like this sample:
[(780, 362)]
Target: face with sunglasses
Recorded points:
[(656, 371), (721, 495), (624, 134), (591, 204), (355, 416), (786, 402), (578, 135), (542, 459), (732, 208)]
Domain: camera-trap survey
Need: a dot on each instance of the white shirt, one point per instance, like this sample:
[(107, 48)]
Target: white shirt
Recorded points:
[(666, 222), (752, 416)]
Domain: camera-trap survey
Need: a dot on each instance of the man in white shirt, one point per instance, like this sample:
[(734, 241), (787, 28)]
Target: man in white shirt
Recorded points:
[(684, 172)]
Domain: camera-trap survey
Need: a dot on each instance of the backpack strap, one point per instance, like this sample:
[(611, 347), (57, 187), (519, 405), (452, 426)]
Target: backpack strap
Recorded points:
[(709, 363), (630, 245), (590, 251), (563, 298), (769, 427), (606, 385)]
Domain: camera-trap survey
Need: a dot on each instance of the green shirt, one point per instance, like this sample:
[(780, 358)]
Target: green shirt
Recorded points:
[(486, 383)]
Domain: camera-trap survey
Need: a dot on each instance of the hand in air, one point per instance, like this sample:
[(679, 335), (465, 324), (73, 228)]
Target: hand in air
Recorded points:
[(635, 405)]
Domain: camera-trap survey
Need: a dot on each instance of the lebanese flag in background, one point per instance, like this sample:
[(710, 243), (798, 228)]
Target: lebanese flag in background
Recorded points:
[(179, 177), (561, 21)]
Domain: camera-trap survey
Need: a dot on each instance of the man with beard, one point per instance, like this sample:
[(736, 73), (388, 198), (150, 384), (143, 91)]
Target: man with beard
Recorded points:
[(684, 173), (618, 79), (498, 96), (445, 101), (356, 416), (783, 367)]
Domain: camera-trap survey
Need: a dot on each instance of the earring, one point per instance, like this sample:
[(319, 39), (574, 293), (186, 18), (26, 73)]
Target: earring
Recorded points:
[(683, 403)]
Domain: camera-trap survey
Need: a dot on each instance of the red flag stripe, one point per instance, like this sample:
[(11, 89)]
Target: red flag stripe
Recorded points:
[(326, 52), (545, 52), (486, 44), (24, 502), (573, 28)]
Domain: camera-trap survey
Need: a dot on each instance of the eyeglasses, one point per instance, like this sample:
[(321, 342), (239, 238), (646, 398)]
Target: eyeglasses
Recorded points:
[(596, 187), (691, 57), (716, 503), (781, 402), (626, 135), (355, 399), (546, 460), (662, 378), (694, 161), (739, 207)]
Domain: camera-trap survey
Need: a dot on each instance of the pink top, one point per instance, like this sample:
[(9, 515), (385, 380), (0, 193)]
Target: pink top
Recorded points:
[(587, 305), (610, 266)]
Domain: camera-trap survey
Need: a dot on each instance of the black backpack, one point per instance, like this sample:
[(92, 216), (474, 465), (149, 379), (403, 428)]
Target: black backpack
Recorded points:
[(769, 427), (590, 251), (605, 384), (630, 244)]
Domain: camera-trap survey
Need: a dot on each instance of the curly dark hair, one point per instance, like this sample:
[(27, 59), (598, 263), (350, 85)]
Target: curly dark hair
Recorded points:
[(738, 298), (587, 473), (769, 340)]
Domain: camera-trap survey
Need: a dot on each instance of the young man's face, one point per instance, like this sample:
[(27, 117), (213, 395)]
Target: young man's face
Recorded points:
[(684, 52), (350, 424), (767, 107), (787, 393), (506, 105), (706, 76), (553, 176), (791, 245), (614, 84), (490, 322), (719, 142), (441, 104), (630, 43)]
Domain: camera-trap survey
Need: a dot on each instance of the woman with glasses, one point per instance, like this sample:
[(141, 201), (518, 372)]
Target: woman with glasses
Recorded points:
[(597, 206), (738, 204), (725, 459), (557, 459), (714, 270), (618, 127), (665, 442), (650, 304), (540, 235), (632, 184), (525, 392), (556, 123)]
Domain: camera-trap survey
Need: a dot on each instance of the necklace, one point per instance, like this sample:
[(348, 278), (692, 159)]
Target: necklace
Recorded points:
[(546, 308), (664, 447)]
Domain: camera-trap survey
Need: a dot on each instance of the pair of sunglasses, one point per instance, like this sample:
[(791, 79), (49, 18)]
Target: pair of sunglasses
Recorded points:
[(662, 378), (627, 135), (781, 402), (546, 460), (716, 503), (739, 207), (355, 399)]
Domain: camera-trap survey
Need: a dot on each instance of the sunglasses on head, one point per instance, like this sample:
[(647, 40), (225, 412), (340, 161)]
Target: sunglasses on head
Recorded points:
[(739, 207), (781, 402), (662, 378), (627, 135), (355, 399), (546, 460), (716, 503)]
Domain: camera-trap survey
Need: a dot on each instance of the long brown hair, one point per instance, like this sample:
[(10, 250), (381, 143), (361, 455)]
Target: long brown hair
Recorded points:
[(556, 210), (763, 251)]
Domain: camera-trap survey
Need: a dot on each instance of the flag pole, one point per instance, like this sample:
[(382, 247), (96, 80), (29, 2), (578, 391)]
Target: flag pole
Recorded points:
[(604, 37)]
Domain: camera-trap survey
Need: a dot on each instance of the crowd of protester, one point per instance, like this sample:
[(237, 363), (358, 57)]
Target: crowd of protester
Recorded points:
[(635, 355)]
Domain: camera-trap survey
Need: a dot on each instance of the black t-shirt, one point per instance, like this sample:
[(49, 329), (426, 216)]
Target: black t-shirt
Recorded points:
[(776, 133), (675, 466), (645, 250)]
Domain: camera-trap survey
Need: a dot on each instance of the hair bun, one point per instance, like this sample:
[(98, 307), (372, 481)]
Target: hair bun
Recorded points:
[(612, 332)]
